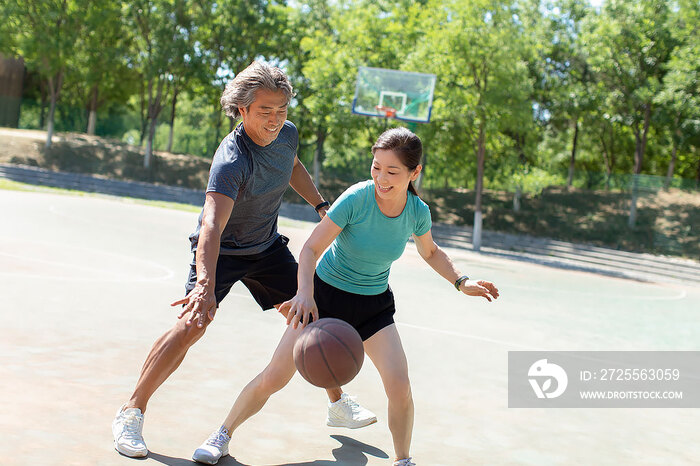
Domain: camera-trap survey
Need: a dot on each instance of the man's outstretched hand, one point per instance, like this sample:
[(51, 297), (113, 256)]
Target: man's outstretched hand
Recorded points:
[(200, 303)]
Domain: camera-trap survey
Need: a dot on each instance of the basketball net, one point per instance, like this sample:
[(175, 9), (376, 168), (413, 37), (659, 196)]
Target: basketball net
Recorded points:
[(388, 112)]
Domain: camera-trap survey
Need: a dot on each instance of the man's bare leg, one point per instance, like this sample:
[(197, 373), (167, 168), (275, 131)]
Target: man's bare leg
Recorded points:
[(164, 358)]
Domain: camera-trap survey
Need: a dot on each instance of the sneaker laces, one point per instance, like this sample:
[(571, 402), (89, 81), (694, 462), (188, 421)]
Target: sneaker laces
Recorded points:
[(132, 426), (404, 462), (351, 401), (218, 439)]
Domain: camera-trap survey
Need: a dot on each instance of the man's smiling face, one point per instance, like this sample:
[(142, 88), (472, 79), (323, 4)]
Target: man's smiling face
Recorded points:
[(264, 118)]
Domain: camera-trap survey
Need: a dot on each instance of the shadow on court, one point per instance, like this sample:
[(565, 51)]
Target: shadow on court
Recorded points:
[(350, 453)]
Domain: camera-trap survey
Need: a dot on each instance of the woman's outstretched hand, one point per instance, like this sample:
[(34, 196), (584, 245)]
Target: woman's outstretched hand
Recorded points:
[(479, 288), (299, 309)]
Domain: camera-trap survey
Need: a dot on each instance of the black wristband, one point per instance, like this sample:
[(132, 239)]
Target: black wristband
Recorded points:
[(322, 205), (459, 281)]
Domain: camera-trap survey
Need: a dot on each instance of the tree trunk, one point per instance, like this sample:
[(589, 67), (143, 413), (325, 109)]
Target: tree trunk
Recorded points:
[(640, 147), (633, 202), (149, 144), (318, 154), (612, 156), (42, 111), (92, 117), (645, 134), (672, 164), (153, 111), (55, 83), (572, 161), (481, 152), (49, 129), (606, 161), (516, 199), (632, 219), (172, 121), (143, 114)]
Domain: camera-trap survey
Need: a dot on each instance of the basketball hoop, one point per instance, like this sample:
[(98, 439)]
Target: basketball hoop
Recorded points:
[(389, 112), (394, 94)]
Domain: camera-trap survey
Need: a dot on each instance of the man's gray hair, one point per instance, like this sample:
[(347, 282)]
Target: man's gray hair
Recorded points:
[(240, 92)]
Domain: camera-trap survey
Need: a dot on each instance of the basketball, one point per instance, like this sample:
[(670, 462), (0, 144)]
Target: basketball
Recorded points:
[(329, 353)]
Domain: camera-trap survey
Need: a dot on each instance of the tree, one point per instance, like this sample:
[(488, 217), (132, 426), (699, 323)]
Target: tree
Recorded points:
[(230, 34), (160, 28), (101, 72), (484, 84), (679, 99), (45, 35), (338, 38), (567, 73), (629, 43)]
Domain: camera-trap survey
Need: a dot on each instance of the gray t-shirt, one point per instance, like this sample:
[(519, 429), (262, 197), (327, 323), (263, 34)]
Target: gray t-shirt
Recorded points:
[(255, 177)]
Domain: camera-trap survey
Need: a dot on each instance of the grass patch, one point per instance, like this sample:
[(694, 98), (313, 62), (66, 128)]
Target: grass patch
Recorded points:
[(9, 185)]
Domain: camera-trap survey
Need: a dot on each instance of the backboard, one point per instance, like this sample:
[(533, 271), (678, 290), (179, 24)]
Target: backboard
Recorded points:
[(396, 94)]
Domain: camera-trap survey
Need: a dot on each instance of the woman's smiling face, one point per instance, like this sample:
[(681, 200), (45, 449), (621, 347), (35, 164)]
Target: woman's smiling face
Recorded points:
[(390, 175)]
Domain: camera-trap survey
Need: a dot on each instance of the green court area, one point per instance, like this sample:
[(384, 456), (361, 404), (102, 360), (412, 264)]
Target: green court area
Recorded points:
[(86, 283)]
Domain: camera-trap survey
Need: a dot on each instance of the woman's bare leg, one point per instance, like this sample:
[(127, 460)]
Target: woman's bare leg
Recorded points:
[(386, 352), (273, 378)]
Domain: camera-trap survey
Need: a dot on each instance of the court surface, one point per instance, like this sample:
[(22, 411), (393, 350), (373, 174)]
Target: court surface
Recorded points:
[(86, 284)]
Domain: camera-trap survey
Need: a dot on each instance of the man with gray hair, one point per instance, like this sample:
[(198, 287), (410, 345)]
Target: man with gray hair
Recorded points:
[(236, 239)]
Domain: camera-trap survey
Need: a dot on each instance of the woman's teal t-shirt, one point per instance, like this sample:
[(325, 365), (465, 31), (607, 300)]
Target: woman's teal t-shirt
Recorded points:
[(360, 257)]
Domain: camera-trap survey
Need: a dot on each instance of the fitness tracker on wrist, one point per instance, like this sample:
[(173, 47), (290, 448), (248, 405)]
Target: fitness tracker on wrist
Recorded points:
[(322, 205), (459, 281)]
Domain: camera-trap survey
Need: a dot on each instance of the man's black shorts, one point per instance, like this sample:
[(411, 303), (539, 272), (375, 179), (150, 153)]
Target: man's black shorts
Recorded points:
[(367, 314), (271, 275)]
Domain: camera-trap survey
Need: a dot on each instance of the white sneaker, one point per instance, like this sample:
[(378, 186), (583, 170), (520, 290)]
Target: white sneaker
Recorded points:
[(404, 462), (346, 412), (214, 448), (126, 429)]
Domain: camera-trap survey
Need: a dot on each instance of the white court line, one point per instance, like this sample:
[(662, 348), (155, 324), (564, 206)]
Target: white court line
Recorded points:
[(80, 279), (681, 295), (120, 226), (57, 263), (168, 273), (466, 335), (475, 337), (74, 279), (444, 332)]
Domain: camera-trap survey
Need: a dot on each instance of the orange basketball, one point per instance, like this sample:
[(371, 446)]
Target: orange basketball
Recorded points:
[(329, 353)]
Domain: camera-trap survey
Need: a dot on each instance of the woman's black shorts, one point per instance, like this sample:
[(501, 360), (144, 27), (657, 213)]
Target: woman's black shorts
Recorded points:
[(367, 314)]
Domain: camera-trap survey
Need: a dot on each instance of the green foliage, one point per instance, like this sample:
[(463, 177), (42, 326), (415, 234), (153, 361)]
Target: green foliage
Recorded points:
[(534, 180), (528, 72), (191, 127)]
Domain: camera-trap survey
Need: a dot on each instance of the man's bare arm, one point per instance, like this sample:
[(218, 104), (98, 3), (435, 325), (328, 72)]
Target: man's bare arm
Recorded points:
[(201, 301), (302, 183)]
